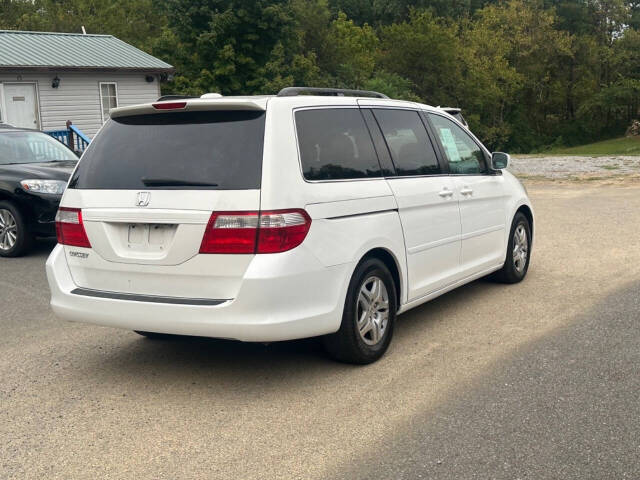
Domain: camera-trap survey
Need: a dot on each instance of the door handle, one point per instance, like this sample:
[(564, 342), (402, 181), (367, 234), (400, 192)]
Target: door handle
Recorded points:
[(466, 191), (445, 193)]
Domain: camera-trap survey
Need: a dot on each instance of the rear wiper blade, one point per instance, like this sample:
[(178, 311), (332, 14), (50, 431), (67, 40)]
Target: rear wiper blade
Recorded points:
[(172, 182)]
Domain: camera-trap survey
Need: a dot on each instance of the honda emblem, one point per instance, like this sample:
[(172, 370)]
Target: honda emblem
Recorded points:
[(143, 199)]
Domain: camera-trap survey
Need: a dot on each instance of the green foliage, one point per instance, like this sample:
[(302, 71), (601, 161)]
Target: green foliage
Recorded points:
[(425, 50), (137, 22), (527, 73)]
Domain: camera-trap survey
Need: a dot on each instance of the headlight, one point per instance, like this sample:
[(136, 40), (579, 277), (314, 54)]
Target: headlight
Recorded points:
[(53, 187)]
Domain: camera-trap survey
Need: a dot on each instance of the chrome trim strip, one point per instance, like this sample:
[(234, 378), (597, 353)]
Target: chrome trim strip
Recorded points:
[(132, 297), (373, 212)]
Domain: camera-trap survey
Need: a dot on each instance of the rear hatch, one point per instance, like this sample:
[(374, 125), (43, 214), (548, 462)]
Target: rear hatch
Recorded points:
[(147, 186)]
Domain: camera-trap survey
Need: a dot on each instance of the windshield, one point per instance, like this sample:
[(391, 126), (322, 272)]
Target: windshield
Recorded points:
[(32, 147), (187, 150)]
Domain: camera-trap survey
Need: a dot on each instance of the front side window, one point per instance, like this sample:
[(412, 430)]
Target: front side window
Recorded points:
[(108, 99), (464, 155), (411, 149), (335, 144)]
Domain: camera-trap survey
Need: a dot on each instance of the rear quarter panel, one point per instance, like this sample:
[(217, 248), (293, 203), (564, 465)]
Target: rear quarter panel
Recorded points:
[(349, 218)]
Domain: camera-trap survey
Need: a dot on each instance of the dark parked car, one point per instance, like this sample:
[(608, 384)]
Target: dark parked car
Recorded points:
[(34, 170)]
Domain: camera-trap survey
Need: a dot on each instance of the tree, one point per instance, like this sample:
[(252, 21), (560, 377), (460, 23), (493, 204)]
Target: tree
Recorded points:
[(426, 51), (138, 23), (225, 45)]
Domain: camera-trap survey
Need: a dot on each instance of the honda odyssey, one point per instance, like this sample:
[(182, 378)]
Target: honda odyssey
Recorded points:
[(315, 212)]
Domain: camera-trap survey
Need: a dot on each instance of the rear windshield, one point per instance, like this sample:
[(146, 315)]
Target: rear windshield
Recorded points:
[(187, 150)]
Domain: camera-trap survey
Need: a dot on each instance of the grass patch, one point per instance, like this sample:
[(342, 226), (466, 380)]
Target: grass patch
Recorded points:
[(617, 146)]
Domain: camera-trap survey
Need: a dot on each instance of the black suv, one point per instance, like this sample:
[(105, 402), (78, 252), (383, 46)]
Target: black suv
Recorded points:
[(34, 170)]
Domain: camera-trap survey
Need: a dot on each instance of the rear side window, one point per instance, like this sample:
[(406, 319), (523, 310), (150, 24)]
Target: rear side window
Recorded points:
[(411, 149), (335, 144), (186, 150)]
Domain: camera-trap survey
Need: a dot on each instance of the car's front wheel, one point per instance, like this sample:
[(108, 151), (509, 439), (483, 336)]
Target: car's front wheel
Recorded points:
[(15, 239), (368, 317), (516, 263)]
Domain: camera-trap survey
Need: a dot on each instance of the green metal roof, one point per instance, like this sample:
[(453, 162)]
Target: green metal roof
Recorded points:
[(73, 51)]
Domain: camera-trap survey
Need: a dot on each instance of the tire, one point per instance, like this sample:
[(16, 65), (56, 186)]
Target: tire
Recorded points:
[(154, 335), (515, 268), (348, 344), (15, 238)]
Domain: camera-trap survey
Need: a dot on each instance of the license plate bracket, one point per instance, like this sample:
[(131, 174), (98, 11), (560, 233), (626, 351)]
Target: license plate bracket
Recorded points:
[(152, 236)]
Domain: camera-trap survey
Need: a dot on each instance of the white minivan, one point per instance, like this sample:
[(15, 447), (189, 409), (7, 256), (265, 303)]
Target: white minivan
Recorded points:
[(316, 212)]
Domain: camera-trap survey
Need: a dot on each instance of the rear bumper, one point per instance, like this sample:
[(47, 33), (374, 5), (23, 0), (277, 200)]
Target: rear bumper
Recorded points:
[(277, 301)]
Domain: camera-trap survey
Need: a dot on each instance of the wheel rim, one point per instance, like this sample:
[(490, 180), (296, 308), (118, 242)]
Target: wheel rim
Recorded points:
[(372, 310), (8, 230), (520, 248)]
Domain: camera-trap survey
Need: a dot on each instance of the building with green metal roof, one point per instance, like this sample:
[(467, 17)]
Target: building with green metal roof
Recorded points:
[(49, 78)]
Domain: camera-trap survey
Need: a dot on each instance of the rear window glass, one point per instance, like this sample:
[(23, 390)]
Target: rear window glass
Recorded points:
[(335, 144), (186, 150)]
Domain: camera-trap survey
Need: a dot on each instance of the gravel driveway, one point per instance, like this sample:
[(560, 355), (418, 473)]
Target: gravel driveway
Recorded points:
[(532, 381), (574, 167)]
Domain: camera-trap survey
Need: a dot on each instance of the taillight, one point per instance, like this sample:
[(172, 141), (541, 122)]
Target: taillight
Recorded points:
[(282, 230), (70, 229), (255, 232), (230, 232)]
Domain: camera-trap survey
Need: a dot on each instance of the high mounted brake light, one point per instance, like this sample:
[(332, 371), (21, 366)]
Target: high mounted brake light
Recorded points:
[(255, 232), (169, 105)]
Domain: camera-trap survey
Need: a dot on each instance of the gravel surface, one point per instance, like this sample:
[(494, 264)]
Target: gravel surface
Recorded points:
[(80, 401), (564, 407), (572, 167)]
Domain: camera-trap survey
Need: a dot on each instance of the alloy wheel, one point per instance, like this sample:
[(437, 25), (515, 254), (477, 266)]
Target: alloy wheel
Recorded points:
[(372, 310), (520, 248), (8, 230)]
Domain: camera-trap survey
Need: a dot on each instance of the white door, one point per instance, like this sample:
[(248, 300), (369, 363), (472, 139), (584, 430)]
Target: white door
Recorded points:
[(427, 203), (481, 197), (21, 104)]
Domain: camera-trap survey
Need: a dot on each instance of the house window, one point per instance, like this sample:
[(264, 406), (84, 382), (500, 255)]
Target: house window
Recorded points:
[(108, 98)]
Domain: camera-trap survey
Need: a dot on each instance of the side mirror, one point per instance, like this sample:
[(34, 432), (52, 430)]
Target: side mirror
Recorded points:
[(499, 160)]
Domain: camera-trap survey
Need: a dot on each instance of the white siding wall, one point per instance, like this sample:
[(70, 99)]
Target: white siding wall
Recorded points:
[(78, 96)]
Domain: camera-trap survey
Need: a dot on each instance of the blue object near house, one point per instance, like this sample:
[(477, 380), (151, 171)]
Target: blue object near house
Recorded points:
[(79, 140)]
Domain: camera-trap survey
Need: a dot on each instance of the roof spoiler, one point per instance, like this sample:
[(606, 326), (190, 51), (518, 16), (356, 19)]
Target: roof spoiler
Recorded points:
[(190, 105)]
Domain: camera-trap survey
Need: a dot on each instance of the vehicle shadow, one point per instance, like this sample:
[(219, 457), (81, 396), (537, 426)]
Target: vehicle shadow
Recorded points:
[(230, 364), (42, 247)]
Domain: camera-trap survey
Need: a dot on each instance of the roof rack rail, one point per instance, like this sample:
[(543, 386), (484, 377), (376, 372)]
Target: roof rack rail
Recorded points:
[(336, 92), (175, 97)]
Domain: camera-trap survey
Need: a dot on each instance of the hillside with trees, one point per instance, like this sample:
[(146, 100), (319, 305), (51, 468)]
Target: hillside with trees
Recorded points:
[(528, 73)]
